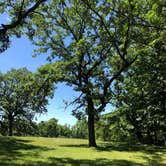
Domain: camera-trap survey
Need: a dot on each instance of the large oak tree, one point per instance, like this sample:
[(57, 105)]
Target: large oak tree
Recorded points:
[(91, 48), (91, 44)]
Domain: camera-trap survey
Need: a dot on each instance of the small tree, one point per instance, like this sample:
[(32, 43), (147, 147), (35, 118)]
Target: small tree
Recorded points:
[(48, 128)]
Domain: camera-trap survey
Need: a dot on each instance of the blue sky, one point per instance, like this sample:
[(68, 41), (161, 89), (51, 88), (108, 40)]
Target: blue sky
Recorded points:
[(20, 55)]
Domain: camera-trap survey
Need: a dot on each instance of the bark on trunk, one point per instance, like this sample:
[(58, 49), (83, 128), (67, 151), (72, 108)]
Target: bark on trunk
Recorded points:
[(139, 135), (10, 119), (91, 121)]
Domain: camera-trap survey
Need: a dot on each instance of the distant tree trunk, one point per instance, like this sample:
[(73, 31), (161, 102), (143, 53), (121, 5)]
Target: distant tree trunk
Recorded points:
[(164, 131), (149, 137), (139, 135), (10, 123), (91, 121)]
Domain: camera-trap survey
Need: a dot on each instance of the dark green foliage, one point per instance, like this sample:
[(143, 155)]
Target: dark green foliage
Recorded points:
[(24, 127), (51, 128), (21, 127), (142, 96), (103, 131), (114, 126), (48, 128)]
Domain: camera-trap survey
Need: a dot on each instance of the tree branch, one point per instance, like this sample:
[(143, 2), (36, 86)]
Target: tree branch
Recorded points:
[(21, 17)]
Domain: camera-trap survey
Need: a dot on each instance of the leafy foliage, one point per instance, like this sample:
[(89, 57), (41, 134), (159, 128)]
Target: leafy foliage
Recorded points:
[(18, 12), (23, 94)]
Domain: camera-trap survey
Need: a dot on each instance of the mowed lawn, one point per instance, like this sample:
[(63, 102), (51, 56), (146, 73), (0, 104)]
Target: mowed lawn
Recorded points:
[(38, 151)]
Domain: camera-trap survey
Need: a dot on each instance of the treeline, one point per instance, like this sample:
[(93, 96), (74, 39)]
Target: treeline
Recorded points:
[(50, 128), (114, 126)]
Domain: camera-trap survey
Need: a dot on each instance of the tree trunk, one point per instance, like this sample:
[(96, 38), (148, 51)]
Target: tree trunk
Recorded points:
[(10, 121), (164, 131), (91, 121), (139, 135)]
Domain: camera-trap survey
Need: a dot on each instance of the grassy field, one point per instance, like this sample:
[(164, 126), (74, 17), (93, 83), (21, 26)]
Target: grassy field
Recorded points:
[(38, 151)]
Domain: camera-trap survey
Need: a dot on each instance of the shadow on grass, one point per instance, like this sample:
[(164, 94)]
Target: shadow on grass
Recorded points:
[(122, 147), (98, 162), (75, 146), (53, 161), (11, 149), (125, 146), (153, 154), (154, 160)]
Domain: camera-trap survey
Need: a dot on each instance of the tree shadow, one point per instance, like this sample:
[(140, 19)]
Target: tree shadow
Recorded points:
[(122, 146), (153, 154), (53, 161), (154, 160), (125, 146), (75, 146), (11, 149)]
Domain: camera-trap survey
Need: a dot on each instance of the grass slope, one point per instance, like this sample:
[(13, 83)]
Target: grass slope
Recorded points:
[(38, 151)]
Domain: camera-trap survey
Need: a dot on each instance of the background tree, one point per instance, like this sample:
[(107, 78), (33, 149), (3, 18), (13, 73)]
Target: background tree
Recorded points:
[(80, 129), (48, 128), (24, 127), (115, 126), (103, 128), (51, 128), (23, 94), (64, 131), (142, 93), (92, 43), (143, 97)]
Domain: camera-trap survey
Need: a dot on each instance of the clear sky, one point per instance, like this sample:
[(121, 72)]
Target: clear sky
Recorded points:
[(20, 55)]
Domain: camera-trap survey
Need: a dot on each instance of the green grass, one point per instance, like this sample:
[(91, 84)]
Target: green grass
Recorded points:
[(38, 151)]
